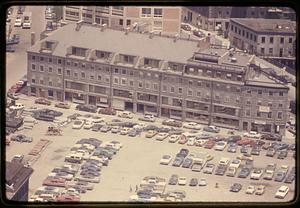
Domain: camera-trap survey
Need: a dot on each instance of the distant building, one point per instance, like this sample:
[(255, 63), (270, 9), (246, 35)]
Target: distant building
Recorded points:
[(148, 19), (170, 77), (17, 181), (272, 38)]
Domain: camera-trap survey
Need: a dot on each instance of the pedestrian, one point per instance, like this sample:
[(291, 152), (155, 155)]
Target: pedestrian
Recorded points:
[(217, 185), (136, 188), (130, 189)]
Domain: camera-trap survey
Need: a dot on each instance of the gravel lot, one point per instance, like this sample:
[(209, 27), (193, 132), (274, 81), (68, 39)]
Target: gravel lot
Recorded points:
[(138, 158)]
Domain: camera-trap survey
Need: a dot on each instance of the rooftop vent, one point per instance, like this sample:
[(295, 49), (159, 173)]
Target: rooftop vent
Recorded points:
[(103, 26), (78, 25)]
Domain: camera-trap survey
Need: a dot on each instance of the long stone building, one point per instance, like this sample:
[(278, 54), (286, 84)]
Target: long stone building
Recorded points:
[(171, 77), (165, 20)]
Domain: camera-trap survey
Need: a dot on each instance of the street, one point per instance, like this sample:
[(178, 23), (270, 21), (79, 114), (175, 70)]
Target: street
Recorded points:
[(16, 63)]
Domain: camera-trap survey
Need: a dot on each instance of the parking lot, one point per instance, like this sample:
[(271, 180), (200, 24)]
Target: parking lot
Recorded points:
[(140, 157)]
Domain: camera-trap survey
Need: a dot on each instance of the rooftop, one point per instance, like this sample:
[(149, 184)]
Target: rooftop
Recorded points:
[(262, 79), (267, 25), (16, 175), (116, 41)]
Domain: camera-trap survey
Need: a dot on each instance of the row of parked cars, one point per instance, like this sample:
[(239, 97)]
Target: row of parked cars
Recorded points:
[(82, 168)]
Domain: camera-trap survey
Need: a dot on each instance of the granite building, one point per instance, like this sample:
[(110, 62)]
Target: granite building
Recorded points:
[(171, 77)]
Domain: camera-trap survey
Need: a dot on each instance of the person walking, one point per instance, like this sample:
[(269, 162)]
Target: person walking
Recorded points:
[(130, 189), (136, 188)]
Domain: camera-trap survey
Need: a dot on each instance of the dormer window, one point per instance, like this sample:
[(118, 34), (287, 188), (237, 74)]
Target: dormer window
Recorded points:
[(79, 51), (49, 45), (151, 62), (102, 54), (128, 59)]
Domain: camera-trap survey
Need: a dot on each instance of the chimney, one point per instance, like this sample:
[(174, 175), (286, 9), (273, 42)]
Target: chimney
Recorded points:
[(32, 38), (78, 25), (103, 26), (127, 30), (176, 38)]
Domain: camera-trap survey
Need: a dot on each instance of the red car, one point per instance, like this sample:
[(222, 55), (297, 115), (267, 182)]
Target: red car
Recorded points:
[(50, 181), (209, 144), (42, 101), (182, 140), (68, 198), (245, 142), (108, 111)]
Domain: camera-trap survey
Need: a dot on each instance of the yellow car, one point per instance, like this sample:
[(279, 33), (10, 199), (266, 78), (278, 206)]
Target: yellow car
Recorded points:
[(151, 133)]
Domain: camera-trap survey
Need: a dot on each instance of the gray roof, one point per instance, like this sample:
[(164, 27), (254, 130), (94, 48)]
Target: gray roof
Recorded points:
[(136, 44), (267, 25), (264, 81)]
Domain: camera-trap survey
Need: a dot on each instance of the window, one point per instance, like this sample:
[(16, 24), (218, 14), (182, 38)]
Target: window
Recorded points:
[(99, 77), (131, 73), (50, 70), (248, 102), (116, 80), (247, 34), (33, 67), (116, 71), (271, 51), (75, 64), (82, 75), (123, 81), (180, 90), (172, 89), (83, 65), (59, 70), (50, 93), (281, 40), (263, 39), (155, 86), (123, 71), (279, 115), (41, 58), (146, 12), (239, 77), (280, 93), (147, 86), (247, 112), (259, 102), (128, 59), (41, 81), (128, 22), (107, 79), (190, 92), (59, 61), (68, 63), (50, 83), (280, 105), (32, 80), (198, 94), (228, 76), (190, 82), (259, 92), (237, 100), (270, 93), (157, 12), (290, 40), (218, 74), (120, 22), (140, 84), (271, 40), (75, 74), (207, 85), (231, 27), (227, 98), (199, 83), (68, 73), (41, 68), (32, 57), (258, 114), (254, 38), (243, 33), (92, 77), (270, 104), (262, 51), (92, 67), (131, 83), (270, 115)]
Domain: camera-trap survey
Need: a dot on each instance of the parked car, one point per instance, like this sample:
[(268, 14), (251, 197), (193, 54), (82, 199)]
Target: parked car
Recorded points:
[(42, 101), (172, 122), (255, 150), (62, 105), (202, 182), (231, 171), (291, 176), (220, 146), (194, 182), (125, 114), (18, 21), (15, 39), (252, 134), (88, 124), (187, 163), (125, 130), (161, 136), (108, 111), (177, 162), (281, 173), (235, 163), (151, 133), (174, 138), (272, 137), (232, 148), (173, 180), (250, 189), (244, 172), (236, 187), (186, 27), (209, 144), (148, 117), (105, 128), (182, 140), (21, 138), (87, 108), (260, 190), (165, 160), (17, 158), (213, 129), (134, 132), (282, 154), (209, 168), (115, 129), (198, 33), (97, 126), (256, 174), (17, 106), (78, 124), (182, 181), (233, 139), (271, 152), (282, 192), (220, 170), (192, 125)]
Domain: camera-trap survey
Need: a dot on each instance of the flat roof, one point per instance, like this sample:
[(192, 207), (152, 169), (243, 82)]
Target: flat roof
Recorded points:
[(264, 81), (267, 25), (136, 44)]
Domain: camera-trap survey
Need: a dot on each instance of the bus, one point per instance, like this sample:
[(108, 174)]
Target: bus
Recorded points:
[(26, 20)]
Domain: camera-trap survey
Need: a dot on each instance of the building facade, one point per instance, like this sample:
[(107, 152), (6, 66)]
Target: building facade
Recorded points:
[(17, 181), (170, 77), (145, 19), (271, 38)]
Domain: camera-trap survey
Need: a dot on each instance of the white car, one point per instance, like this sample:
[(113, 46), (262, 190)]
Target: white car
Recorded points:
[(165, 160), (202, 182), (18, 22), (235, 163), (125, 130), (116, 144), (182, 181), (161, 136), (224, 161), (282, 192), (66, 176), (252, 134), (174, 138), (97, 119), (126, 114), (88, 124), (192, 125), (220, 146), (78, 124), (256, 174), (200, 142), (269, 174), (191, 141), (17, 106), (260, 190), (231, 172), (250, 189)]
